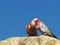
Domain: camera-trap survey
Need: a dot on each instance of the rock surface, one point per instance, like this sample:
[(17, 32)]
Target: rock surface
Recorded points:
[(38, 40)]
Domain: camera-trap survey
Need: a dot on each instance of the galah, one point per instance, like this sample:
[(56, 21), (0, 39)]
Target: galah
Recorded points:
[(43, 28), (31, 30)]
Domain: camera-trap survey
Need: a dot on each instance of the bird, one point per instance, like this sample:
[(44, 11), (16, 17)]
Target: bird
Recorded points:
[(39, 25), (30, 29)]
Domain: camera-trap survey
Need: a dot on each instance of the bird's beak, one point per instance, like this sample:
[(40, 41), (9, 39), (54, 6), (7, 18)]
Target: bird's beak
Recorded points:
[(34, 26)]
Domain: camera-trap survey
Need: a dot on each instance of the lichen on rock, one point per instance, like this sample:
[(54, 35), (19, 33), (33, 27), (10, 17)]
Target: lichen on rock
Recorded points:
[(31, 40)]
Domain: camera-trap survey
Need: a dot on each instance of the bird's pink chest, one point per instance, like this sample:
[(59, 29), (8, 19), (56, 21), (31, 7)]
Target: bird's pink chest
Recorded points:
[(31, 29)]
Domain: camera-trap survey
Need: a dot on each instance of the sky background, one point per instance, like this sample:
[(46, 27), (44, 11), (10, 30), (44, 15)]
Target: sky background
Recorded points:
[(16, 14)]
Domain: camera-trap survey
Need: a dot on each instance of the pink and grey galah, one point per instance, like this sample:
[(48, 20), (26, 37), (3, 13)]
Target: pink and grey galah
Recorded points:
[(39, 25)]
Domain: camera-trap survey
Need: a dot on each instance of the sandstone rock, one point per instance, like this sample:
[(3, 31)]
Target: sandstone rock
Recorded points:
[(38, 40)]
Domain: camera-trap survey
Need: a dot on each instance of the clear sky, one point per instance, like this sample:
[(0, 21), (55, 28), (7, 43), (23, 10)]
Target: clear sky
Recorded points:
[(16, 14)]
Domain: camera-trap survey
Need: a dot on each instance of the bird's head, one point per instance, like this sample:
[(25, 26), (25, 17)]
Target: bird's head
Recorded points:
[(36, 23), (31, 26)]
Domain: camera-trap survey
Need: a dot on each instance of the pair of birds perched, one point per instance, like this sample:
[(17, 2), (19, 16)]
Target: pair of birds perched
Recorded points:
[(35, 25)]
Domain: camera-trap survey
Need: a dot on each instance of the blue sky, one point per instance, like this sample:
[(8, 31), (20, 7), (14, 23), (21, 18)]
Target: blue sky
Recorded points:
[(16, 14)]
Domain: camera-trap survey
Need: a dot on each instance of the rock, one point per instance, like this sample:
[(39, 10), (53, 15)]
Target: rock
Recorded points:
[(37, 40)]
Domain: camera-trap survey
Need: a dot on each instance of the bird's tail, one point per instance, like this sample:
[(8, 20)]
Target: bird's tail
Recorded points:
[(54, 36)]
